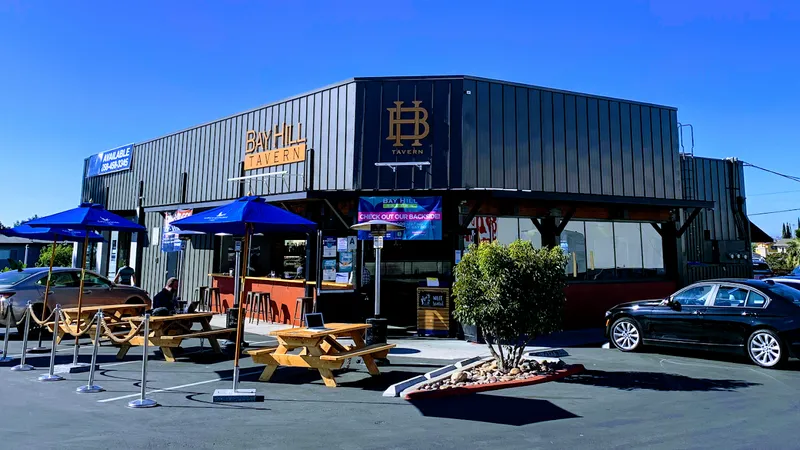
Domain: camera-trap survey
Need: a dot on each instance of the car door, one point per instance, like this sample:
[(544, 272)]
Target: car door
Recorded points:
[(681, 322), (63, 290), (727, 320), (97, 291)]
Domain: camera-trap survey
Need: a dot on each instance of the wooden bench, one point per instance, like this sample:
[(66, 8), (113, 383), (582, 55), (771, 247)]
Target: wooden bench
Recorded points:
[(198, 334), (368, 350), (260, 355)]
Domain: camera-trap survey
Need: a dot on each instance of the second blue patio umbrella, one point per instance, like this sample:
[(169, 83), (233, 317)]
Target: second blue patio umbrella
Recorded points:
[(244, 217), (49, 234), (86, 217)]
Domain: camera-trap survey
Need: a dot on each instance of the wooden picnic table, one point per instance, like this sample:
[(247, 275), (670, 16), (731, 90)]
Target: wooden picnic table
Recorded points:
[(319, 349), (167, 332), (114, 316)]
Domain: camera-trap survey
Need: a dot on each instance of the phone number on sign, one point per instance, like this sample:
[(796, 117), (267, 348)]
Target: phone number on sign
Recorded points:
[(113, 165)]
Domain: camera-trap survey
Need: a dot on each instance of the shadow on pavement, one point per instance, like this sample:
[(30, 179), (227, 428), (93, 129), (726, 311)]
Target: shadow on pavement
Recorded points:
[(344, 377), (403, 351), (655, 381), (493, 409)]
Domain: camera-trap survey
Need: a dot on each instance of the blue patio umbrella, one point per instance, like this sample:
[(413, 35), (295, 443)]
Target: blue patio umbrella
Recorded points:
[(49, 234), (87, 217), (243, 217)]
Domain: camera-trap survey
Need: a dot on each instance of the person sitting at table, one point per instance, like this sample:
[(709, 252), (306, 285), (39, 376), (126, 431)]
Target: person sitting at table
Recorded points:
[(164, 301)]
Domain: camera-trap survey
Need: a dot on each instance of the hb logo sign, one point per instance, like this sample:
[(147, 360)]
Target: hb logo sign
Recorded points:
[(415, 115)]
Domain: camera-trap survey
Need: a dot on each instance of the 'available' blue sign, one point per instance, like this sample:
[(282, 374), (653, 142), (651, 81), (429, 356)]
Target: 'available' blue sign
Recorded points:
[(110, 161), (421, 216)]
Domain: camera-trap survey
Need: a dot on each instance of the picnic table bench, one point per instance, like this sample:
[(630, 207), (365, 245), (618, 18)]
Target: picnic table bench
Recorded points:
[(168, 332), (319, 349), (114, 315)]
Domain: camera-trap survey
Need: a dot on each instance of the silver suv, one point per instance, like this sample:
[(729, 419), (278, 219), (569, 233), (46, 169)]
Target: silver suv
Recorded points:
[(29, 285)]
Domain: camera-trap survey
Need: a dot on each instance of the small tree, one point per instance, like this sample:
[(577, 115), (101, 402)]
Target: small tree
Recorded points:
[(63, 256), (512, 294), (779, 262)]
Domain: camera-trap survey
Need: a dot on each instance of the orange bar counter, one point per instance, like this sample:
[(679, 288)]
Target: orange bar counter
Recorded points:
[(283, 293)]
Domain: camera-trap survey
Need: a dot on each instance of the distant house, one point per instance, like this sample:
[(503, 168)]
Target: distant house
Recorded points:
[(14, 248)]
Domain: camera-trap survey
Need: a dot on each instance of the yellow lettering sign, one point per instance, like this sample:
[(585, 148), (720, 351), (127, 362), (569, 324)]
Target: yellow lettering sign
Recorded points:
[(262, 150), (396, 122)]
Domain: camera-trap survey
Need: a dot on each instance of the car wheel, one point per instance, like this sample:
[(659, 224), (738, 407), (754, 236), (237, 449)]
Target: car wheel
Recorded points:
[(135, 301), (766, 349), (626, 334)]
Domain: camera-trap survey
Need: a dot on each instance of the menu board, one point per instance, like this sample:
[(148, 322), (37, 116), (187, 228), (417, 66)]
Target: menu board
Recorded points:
[(338, 262)]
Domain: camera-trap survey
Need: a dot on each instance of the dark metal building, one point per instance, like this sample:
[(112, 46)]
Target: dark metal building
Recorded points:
[(585, 172)]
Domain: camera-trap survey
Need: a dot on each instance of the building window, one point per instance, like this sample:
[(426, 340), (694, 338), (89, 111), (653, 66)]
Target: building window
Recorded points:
[(653, 251), (628, 249), (507, 230), (528, 232), (600, 251), (573, 242)]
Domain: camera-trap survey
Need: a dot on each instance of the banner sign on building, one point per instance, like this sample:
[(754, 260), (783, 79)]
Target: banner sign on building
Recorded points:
[(110, 161), (170, 240), (421, 216)]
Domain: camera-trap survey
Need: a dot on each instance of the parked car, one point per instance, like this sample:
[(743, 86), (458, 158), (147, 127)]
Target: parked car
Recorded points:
[(762, 270), (29, 285), (758, 318), (795, 272), (791, 281)]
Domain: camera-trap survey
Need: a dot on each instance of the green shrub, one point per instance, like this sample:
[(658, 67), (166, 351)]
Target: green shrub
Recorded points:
[(512, 294), (63, 256)]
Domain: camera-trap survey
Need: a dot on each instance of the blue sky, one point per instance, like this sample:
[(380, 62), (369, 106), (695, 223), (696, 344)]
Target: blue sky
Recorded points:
[(81, 77)]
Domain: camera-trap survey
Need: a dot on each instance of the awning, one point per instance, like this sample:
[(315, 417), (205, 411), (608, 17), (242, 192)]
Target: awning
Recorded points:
[(603, 199), (758, 235)]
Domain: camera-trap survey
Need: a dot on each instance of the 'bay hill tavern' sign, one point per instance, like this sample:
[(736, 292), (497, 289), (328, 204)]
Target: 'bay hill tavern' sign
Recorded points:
[(274, 147)]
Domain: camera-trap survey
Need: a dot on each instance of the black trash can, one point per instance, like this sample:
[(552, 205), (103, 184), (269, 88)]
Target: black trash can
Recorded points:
[(376, 334), (231, 319)]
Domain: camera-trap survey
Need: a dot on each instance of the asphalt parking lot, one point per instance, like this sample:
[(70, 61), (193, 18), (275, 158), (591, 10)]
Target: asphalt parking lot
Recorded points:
[(641, 400)]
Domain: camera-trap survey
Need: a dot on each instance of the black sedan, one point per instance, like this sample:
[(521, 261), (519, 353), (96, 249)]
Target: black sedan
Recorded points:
[(759, 318)]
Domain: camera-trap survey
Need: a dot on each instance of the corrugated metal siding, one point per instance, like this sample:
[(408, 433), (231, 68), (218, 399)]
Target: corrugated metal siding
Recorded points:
[(198, 264), (211, 154), (567, 143), (712, 271), (442, 98), (719, 181)]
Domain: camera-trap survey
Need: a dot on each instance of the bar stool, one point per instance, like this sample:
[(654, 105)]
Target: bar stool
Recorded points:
[(200, 297), (213, 298), (248, 303), (262, 307), (302, 305)]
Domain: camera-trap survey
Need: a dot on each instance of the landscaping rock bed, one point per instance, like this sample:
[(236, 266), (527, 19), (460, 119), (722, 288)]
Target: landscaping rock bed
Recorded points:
[(488, 373), (486, 377)]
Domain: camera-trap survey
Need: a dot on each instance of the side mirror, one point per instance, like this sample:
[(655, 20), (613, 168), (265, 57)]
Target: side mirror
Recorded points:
[(674, 305)]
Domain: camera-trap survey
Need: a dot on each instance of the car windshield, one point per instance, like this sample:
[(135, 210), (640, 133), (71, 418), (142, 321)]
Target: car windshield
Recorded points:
[(788, 293), (13, 277)]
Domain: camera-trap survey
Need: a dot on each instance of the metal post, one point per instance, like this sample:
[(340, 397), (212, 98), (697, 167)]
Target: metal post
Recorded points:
[(90, 387), (5, 358), (22, 367), (378, 279), (80, 300), (51, 376), (143, 402)]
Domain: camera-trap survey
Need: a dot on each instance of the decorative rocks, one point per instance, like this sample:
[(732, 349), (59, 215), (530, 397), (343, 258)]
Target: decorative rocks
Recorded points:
[(489, 373)]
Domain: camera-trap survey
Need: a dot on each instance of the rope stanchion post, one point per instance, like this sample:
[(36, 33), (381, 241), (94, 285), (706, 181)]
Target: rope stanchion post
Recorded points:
[(5, 358), (144, 402), (22, 367), (51, 376), (90, 387)]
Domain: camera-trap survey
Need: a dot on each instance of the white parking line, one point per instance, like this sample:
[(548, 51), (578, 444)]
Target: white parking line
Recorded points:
[(244, 372)]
